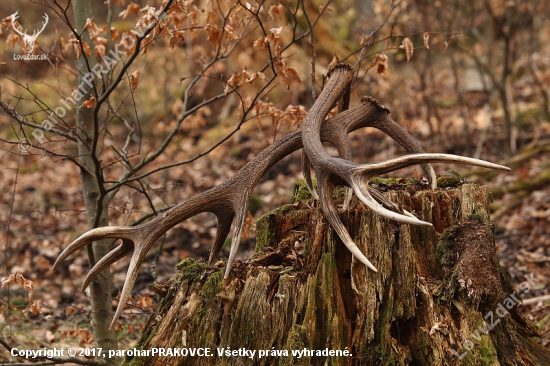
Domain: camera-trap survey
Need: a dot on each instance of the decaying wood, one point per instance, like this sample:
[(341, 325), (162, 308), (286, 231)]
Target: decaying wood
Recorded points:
[(303, 290)]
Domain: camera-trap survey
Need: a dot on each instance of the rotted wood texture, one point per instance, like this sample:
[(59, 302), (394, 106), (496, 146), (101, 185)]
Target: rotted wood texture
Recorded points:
[(429, 304)]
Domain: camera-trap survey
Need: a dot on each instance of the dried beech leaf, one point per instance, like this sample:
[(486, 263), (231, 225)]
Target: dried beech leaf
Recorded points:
[(132, 8), (92, 28), (214, 35), (275, 12), (426, 40), (407, 45), (133, 80), (90, 103), (382, 61), (230, 33)]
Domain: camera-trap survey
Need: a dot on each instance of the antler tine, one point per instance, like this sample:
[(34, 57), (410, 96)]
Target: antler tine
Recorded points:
[(238, 232), (363, 194), (114, 255), (104, 232), (131, 276), (331, 213), (224, 227), (374, 169)]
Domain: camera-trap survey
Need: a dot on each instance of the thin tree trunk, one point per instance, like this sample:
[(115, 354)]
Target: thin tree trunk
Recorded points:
[(100, 288), (303, 291)]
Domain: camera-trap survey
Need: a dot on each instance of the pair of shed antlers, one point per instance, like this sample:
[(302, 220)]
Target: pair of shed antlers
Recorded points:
[(230, 199)]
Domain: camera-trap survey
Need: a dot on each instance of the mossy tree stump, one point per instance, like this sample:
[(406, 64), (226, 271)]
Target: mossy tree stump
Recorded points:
[(437, 299)]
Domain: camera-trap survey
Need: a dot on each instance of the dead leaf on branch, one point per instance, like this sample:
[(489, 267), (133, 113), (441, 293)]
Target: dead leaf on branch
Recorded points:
[(240, 78), (132, 8), (275, 12), (382, 61), (24, 283), (426, 40), (90, 103), (214, 35), (179, 13), (92, 28), (231, 34), (133, 80), (407, 45)]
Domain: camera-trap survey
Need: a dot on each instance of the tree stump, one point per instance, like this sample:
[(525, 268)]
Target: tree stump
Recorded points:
[(439, 296)]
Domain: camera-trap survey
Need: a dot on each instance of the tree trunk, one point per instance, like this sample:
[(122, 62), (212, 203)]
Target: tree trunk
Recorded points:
[(100, 288), (302, 291)]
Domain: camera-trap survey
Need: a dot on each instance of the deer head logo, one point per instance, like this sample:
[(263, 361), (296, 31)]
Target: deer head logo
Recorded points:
[(29, 41)]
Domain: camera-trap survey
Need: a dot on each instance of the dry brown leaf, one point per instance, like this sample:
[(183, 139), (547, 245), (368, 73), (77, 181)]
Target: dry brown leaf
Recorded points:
[(382, 61), (35, 307), (176, 37), (132, 8), (12, 39), (426, 37), (24, 283), (90, 103), (92, 28), (133, 80), (179, 13), (127, 43), (85, 46), (261, 43), (407, 45), (214, 35), (114, 34), (231, 34), (275, 12), (194, 22)]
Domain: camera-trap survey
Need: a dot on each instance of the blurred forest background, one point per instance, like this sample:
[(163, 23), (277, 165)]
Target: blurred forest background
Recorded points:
[(465, 77)]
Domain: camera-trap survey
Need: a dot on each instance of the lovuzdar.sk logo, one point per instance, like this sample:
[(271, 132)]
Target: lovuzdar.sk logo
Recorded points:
[(29, 41)]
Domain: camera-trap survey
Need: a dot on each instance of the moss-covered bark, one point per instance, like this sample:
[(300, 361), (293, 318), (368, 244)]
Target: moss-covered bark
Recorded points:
[(436, 300)]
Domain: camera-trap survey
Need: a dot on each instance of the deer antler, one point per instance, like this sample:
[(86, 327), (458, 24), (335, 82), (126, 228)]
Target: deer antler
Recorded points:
[(230, 199), (330, 170)]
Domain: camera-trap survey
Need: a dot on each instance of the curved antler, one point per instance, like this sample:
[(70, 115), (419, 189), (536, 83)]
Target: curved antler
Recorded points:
[(329, 169)]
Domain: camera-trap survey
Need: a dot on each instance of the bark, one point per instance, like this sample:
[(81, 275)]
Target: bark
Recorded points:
[(302, 290), (100, 288)]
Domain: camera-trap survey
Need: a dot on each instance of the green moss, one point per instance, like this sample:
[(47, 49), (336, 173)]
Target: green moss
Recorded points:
[(297, 340), (300, 192), (385, 181), (339, 193), (452, 179), (190, 268), (211, 286)]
